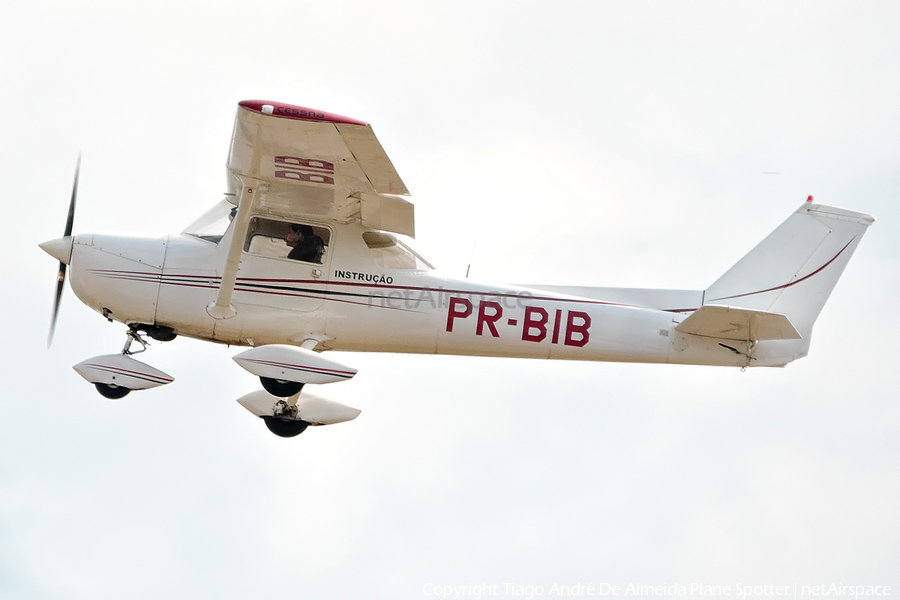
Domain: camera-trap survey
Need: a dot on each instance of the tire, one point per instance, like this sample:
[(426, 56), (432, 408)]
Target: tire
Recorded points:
[(284, 428), (113, 392), (163, 334), (281, 388)]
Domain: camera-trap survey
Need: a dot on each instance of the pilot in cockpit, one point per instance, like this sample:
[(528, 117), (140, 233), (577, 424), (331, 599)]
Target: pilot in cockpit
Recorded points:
[(305, 245)]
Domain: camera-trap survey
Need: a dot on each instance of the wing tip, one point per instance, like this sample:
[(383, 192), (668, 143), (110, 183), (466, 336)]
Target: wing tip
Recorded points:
[(299, 113)]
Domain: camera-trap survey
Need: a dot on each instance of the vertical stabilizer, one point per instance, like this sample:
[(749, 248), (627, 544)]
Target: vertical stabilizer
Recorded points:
[(793, 270)]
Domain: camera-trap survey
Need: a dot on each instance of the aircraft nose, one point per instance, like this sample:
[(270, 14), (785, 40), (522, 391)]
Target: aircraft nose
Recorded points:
[(60, 248)]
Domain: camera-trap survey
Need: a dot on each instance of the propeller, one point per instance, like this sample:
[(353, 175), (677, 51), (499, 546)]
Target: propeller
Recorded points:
[(61, 249)]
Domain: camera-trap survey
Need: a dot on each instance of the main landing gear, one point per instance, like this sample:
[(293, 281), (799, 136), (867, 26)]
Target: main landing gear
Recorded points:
[(280, 387), (284, 371), (284, 420), (290, 416), (116, 375)]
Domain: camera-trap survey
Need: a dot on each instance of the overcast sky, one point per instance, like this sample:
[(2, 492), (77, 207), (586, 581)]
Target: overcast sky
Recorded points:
[(594, 143)]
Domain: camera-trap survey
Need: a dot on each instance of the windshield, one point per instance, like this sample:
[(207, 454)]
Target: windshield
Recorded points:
[(212, 224)]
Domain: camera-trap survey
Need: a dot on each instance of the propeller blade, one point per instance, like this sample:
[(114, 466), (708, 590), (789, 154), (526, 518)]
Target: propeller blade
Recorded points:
[(60, 283), (70, 220), (61, 275)]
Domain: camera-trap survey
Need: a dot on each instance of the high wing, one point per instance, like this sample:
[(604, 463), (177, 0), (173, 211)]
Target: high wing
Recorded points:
[(294, 161), (312, 163)]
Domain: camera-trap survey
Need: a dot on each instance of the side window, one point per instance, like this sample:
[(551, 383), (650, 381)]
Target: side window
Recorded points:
[(391, 252), (282, 239)]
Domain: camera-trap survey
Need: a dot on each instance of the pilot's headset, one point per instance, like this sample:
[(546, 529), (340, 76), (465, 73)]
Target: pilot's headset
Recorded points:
[(302, 232)]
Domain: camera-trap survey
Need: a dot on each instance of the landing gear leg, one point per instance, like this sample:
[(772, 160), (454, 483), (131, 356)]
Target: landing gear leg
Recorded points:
[(133, 335)]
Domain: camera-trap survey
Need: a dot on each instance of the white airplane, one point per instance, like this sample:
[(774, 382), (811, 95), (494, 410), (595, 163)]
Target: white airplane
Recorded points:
[(311, 250)]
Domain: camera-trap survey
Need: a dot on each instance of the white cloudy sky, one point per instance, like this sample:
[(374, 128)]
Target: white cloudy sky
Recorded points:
[(592, 143)]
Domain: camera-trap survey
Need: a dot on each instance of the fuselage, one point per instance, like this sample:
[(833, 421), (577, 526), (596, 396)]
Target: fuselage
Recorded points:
[(351, 302), (309, 251)]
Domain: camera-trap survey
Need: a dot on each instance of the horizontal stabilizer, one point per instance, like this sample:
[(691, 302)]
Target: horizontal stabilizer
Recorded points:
[(730, 323)]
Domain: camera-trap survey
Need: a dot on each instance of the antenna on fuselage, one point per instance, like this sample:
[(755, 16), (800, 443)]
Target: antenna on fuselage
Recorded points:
[(471, 258)]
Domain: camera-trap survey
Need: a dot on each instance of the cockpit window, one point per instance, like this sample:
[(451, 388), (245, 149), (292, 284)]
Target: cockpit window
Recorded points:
[(282, 239), (212, 224), (392, 251)]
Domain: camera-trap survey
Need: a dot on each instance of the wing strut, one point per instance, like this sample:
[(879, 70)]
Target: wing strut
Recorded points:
[(222, 308)]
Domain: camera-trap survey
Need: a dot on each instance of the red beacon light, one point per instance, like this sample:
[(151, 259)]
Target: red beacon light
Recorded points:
[(809, 199)]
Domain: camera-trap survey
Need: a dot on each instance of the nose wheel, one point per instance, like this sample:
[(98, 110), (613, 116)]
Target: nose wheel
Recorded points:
[(112, 391), (116, 375)]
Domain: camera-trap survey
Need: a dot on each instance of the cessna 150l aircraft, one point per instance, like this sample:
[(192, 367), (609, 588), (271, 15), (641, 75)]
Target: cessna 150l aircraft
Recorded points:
[(310, 250)]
